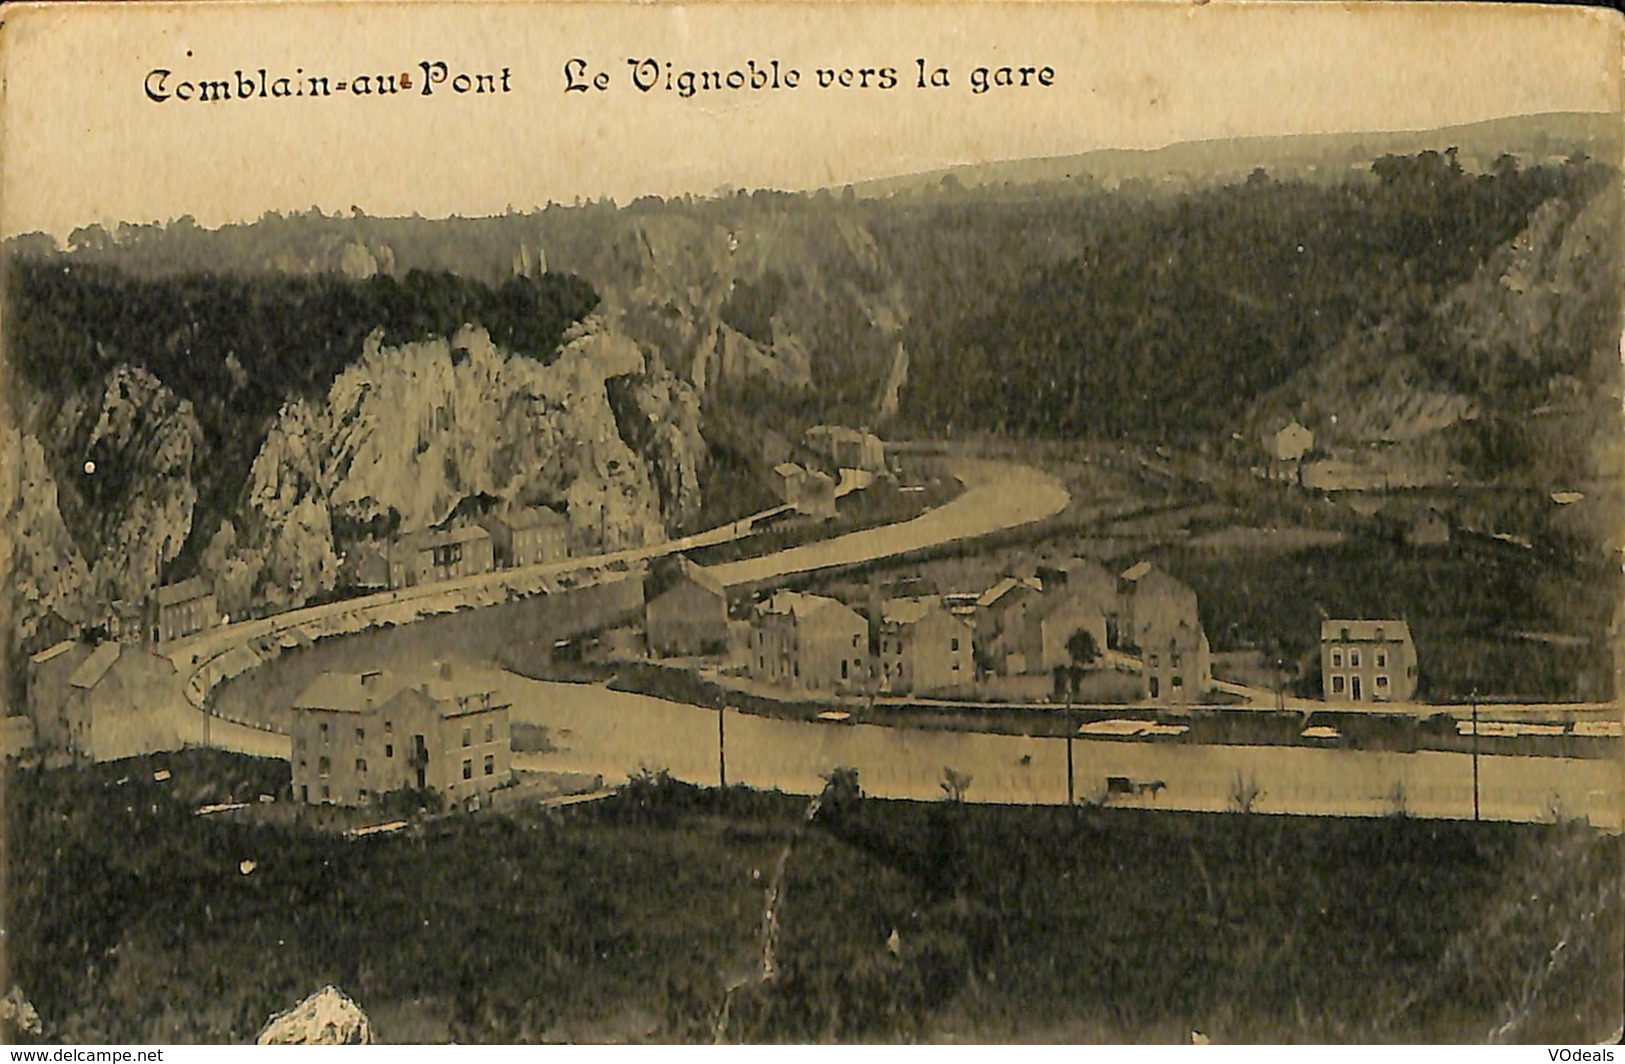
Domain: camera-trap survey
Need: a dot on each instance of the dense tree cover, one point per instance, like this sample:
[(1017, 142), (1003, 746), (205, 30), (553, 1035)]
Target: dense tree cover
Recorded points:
[(1173, 316), (238, 348)]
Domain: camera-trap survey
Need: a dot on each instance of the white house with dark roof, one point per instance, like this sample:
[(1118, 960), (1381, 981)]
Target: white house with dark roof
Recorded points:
[(1365, 661)]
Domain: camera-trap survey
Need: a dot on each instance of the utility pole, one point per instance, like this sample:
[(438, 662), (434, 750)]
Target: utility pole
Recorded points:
[(1475, 754), (1071, 728), (722, 748)]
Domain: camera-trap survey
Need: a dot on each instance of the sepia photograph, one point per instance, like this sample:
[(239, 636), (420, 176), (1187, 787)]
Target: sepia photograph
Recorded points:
[(607, 523)]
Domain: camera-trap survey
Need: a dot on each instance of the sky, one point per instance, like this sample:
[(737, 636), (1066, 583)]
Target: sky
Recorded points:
[(82, 141)]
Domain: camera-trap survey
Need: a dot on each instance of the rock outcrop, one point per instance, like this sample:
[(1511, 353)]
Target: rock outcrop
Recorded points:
[(409, 434), (325, 1018)]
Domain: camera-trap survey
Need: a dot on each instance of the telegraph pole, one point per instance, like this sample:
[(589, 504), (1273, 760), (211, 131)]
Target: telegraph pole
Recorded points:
[(1071, 728), (1475, 754), (722, 748)]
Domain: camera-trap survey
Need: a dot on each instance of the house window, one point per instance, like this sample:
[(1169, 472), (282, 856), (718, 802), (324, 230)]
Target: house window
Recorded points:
[(361, 795), (490, 733), (1378, 635), (301, 764), (1154, 661), (448, 554), (1345, 635), (323, 766), (468, 768), (1337, 659), (1354, 659), (1382, 659), (843, 670), (389, 728), (361, 735), (323, 728), (854, 641), (389, 749), (953, 644), (327, 792), (361, 764), (761, 662), (490, 765), (1179, 681), (1173, 659), (1337, 685), (468, 736), (1382, 682), (956, 666)]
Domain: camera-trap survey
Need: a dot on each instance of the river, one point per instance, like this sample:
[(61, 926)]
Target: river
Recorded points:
[(616, 733)]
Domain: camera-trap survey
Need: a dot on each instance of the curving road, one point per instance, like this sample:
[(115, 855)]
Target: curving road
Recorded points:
[(997, 496)]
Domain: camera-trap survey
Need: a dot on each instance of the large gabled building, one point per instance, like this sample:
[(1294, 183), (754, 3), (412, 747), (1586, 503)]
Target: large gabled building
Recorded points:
[(808, 642), (923, 646), (357, 736), (685, 609)]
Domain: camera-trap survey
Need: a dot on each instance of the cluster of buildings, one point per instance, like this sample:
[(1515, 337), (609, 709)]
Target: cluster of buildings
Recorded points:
[(807, 486), (507, 539), (1068, 617)]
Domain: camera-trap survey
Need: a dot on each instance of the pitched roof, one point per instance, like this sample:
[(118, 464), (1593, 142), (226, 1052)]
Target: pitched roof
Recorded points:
[(346, 692), (1004, 587), (908, 610), (534, 517), (92, 669), (1364, 631), (53, 651), (788, 469), (1137, 571), (671, 570), (428, 538), (185, 591), (800, 605)]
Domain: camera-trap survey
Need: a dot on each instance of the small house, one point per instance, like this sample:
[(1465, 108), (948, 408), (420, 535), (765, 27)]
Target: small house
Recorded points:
[(530, 535), (1367, 661), (923, 646), (431, 556), (178, 610), (685, 609)]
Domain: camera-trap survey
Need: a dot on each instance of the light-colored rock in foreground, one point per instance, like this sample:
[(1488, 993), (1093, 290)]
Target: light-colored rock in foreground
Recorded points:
[(326, 1018)]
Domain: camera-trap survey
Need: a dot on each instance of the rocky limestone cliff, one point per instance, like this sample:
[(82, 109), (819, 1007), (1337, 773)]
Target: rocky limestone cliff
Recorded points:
[(122, 451), (326, 1018), (43, 570), (409, 434), (1513, 374)]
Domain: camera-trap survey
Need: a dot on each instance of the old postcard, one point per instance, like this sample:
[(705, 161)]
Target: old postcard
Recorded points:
[(801, 522)]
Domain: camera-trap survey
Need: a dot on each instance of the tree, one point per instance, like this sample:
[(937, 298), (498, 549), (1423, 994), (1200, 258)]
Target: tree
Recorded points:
[(1081, 646)]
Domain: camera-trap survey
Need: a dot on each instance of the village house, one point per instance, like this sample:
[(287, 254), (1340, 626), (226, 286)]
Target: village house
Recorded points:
[(357, 736), (923, 646), (1148, 598), (105, 702), (366, 565), (428, 557), (848, 448), (1289, 443), (1001, 618), (1367, 661), (808, 642), (685, 609), (531, 535), (810, 491), (1176, 663), (1051, 630), (178, 610)]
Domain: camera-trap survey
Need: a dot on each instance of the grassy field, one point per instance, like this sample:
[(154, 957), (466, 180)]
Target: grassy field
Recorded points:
[(131, 920)]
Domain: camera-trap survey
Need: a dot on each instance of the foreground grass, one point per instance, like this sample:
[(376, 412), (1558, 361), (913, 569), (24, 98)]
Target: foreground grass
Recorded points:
[(132, 920)]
